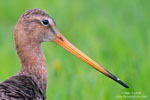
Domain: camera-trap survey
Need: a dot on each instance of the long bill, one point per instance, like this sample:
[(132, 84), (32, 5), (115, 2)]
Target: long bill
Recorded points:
[(63, 42)]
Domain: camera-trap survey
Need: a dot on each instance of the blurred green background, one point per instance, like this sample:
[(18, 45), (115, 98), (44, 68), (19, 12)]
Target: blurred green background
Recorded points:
[(112, 32)]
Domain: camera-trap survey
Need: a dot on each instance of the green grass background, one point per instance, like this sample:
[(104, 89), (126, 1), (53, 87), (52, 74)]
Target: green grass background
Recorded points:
[(115, 33)]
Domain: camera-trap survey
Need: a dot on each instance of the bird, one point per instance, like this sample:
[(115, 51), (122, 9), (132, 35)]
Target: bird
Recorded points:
[(34, 27)]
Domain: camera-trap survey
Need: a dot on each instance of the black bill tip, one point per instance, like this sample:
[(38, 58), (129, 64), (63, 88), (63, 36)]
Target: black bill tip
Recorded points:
[(122, 83), (117, 79)]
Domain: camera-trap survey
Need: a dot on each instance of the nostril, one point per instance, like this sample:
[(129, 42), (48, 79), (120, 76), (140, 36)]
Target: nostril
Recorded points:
[(61, 38)]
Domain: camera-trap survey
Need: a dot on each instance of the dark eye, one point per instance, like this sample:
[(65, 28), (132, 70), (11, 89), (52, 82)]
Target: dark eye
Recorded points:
[(45, 22)]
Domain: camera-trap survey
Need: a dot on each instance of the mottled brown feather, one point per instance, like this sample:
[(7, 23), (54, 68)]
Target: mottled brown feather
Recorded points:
[(21, 87)]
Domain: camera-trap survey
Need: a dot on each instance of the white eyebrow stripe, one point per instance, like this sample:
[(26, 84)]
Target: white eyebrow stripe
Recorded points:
[(50, 21)]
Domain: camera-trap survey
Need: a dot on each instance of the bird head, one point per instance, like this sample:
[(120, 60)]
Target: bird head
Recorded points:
[(36, 25)]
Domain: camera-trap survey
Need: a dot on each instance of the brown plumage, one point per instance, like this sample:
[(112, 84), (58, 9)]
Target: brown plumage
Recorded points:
[(31, 82), (36, 26), (21, 87)]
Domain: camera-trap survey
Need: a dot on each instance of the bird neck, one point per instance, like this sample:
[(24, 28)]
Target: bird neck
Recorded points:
[(33, 62)]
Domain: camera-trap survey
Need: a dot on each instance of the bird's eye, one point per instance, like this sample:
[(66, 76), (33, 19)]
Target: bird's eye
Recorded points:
[(45, 22)]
